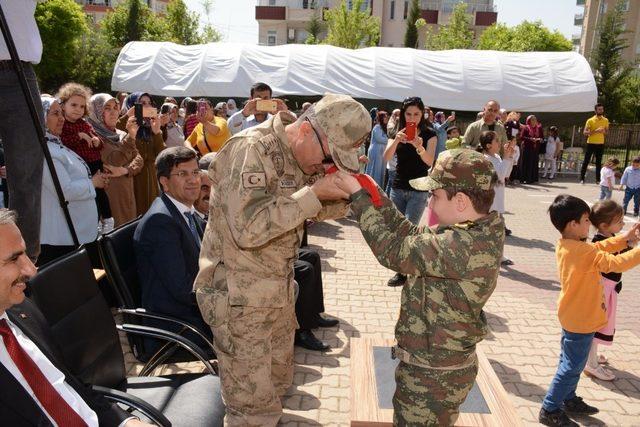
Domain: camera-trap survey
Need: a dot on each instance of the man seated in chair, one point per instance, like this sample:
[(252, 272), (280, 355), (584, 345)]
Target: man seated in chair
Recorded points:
[(167, 244), (36, 389)]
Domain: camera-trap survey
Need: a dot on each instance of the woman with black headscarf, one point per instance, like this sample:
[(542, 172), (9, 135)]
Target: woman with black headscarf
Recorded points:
[(149, 144)]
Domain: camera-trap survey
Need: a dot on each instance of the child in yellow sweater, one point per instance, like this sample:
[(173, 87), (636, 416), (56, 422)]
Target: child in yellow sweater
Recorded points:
[(581, 307)]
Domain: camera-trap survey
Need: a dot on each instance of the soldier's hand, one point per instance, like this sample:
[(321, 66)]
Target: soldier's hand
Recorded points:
[(326, 188), (347, 182)]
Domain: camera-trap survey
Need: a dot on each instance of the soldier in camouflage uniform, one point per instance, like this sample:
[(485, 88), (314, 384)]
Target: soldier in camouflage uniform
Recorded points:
[(453, 269), (266, 181)]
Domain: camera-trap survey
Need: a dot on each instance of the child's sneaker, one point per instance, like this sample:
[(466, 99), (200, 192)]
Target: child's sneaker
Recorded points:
[(599, 373), (555, 419), (578, 407)]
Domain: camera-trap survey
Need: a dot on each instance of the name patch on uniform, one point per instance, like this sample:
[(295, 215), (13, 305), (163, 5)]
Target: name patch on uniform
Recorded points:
[(287, 183), (254, 180)]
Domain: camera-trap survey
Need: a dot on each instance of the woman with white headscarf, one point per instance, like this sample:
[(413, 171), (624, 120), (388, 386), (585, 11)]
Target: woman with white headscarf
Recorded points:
[(231, 107), (78, 187), (119, 155)]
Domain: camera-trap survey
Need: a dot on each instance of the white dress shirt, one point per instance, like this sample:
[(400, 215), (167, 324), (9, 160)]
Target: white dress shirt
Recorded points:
[(24, 30), (238, 122), (55, 377), (182, 208)]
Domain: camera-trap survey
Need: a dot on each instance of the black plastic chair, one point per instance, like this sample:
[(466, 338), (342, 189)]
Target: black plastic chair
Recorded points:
[(119, 260), (67, 294)]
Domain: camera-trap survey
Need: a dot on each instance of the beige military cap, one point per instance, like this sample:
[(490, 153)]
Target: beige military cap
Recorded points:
[(346, 123)]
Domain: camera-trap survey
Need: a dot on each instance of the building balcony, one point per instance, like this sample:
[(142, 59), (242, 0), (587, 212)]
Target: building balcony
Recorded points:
[(104, 3), (575, 38), (485, 19), (578, 19), (274, 13)]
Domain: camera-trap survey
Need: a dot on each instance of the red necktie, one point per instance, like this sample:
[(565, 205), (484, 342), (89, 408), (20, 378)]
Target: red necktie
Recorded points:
[(49, 398)]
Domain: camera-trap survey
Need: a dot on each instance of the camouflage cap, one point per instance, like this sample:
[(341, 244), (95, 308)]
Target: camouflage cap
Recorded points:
[(346, 123), (460, 168)]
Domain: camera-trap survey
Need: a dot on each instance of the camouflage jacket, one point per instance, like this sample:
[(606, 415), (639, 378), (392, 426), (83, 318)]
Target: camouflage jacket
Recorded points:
[(259, 201), (452, 270)]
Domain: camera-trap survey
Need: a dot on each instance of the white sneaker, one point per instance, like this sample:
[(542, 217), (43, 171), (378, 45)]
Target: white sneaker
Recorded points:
[(107, 225), (600, 373)]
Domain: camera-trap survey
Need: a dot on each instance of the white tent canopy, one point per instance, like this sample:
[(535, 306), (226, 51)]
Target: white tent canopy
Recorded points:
[(460, 80)]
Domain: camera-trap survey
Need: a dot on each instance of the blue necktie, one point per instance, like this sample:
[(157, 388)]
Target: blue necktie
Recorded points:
[(192, 226)]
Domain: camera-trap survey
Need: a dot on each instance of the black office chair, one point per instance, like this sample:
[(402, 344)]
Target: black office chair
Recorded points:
[(119, 260), (67, 294)]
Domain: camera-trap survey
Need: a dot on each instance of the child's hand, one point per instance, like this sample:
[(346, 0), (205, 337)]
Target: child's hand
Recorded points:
[(363, 159), (85, 137), (347, 182), (95, 142), (633, 234)]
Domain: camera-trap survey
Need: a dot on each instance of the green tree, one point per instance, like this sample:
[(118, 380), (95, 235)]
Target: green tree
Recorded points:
[(132, 20), (314, 28), (352, 28), (62, 24), (525, 37), (209, 33), (182, 24), (611, 71), (411, 33), (94, 61), (457, 34)]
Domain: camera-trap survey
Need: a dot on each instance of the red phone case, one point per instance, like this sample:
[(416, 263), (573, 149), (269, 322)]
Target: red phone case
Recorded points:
[(411, 131)]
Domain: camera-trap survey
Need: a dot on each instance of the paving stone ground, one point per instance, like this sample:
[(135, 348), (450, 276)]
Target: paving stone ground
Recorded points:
[(524, 343)]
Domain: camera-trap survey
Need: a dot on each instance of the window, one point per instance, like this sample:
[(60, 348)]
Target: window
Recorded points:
[(406, 10), (272, 38), (626, 6), (272, 2), (392, 13)]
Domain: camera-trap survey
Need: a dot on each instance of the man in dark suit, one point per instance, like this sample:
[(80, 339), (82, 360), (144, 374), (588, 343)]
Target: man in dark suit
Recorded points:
[(167, 243), (36, 389)]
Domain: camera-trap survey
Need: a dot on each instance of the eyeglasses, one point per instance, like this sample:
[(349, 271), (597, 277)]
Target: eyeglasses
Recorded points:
[(185, 174), (327, 157)]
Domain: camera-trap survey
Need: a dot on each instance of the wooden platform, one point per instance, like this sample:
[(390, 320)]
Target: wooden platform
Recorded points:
[(365, 406)]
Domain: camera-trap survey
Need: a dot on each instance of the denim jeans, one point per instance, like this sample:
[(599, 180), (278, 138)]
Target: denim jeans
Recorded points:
[(628, 194), (23, 155), (574, 351), (410, 203), (605, 192), (391, 175)]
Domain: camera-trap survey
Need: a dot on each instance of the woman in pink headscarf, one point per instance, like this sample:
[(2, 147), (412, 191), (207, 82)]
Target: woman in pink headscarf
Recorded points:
[(531, 140)]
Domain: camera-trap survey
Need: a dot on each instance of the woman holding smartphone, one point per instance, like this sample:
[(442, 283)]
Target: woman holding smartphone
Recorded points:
[(414, 144), (211, 133)]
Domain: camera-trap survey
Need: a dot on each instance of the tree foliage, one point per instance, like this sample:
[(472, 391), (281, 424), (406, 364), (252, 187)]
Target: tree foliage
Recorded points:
[(314, 28), (62, 23), (457, 34), (352, 28), (411, 34), (525, 37), (612, 73), (132, 20)]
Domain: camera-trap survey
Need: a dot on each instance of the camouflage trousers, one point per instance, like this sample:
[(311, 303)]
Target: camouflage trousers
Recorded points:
[(255, 356), (430, 397)]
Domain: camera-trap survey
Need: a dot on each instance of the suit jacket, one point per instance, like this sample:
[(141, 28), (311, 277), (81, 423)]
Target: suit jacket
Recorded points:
[(17, 408), (167, 259)]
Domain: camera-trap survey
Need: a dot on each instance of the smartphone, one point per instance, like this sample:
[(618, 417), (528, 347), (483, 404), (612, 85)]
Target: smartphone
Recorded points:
[(149, 112), (138, 114), (202, 108), (266, 105), (410, 130)]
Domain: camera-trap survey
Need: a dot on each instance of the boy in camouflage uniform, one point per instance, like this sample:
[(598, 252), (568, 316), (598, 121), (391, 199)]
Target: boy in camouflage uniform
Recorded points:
[(453, 269), (265, 182)]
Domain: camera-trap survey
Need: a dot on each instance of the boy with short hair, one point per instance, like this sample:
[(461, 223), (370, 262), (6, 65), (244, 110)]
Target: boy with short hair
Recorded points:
[(631, 179), (581, 306), (454, 141), (452, 269)]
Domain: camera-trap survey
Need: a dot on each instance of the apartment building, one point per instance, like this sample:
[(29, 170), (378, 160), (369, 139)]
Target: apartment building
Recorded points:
[(285, 21), (97, 9), (590, 18)]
